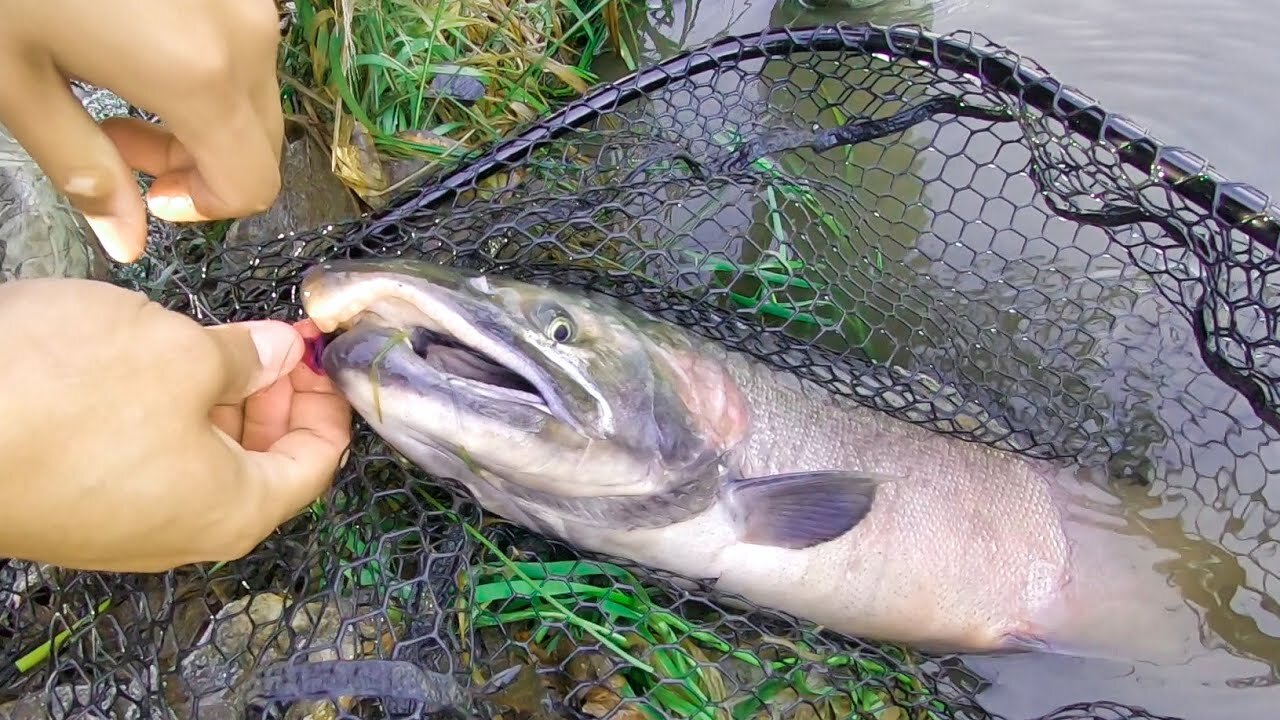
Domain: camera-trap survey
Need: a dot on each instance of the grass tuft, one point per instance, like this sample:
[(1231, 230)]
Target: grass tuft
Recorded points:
[(404, 85), (689, 670)]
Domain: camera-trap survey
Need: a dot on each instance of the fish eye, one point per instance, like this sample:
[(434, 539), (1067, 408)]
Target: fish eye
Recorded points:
[(560, 329)]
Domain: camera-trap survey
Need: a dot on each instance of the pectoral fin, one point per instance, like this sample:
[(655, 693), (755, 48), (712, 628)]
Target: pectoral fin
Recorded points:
[(800, 510)]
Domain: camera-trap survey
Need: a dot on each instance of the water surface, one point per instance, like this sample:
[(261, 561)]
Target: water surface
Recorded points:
[(1197, 74)]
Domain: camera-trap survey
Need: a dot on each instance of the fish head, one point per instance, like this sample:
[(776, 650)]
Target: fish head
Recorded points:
[(476, 376)]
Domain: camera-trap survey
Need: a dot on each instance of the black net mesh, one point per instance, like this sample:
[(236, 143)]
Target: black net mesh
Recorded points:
[(837, 201)]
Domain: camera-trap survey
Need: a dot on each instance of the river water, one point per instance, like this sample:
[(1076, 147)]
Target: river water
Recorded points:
[(1196, 74)]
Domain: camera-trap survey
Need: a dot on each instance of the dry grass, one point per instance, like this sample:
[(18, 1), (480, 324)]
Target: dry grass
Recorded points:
[(396, 87)]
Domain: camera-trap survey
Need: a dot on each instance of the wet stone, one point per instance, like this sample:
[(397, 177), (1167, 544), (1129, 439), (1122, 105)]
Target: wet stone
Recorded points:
[(253, 632), (29, 707), (310, 195), (120, 701), (463, 88), (41, 235)]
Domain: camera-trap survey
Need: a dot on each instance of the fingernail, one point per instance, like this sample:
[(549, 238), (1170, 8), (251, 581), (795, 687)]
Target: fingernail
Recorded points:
[(275, 342), (113, 235), (174, 208)]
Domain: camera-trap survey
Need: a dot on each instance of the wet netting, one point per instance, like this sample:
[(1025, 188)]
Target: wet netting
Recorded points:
[(928, 224)]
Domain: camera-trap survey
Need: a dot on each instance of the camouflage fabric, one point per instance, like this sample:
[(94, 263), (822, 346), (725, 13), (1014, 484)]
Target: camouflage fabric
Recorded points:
[(930, 224)]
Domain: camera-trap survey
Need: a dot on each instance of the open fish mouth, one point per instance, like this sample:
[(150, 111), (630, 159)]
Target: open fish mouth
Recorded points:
[(472, 369), (314, 352), (427, 356)]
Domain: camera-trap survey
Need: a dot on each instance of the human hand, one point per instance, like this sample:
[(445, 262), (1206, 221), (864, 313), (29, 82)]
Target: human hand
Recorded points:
[(208, 69), (134, 439)]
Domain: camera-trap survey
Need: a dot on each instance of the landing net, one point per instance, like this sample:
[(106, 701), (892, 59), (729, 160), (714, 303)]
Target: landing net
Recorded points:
[(929, 224)]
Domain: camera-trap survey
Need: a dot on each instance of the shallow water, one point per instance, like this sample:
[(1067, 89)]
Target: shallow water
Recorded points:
[(1201, 75)]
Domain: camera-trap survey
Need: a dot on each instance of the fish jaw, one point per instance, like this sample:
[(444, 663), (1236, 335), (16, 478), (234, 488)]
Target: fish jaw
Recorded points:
[(428, 418), (417, 408), (451, 302)]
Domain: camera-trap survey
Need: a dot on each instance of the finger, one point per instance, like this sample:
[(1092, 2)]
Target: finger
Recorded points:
[(318, 403), (266, 415), (230, 420), (62, 138), (252, 356), (260, 21), (236, 173), (301, 465), (266, 101), (307, 328), (146, 146)]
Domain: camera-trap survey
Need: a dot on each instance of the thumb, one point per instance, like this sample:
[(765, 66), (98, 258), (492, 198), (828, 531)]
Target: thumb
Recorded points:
[(43, 115), (253, 355)]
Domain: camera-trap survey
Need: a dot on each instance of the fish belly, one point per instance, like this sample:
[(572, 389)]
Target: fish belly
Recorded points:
[(965, 547), (979, 562), (927, 586), (963, 544), (1009, 570), (924, 568)]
